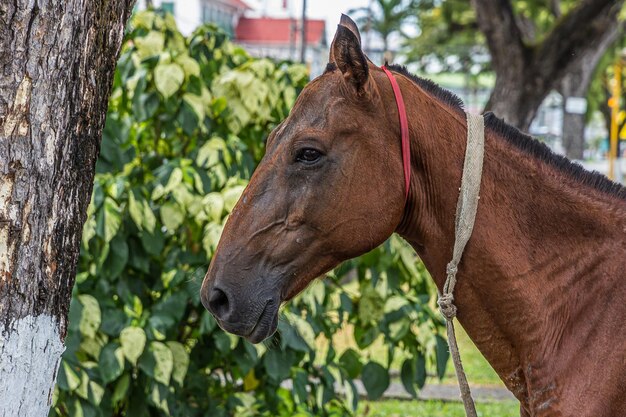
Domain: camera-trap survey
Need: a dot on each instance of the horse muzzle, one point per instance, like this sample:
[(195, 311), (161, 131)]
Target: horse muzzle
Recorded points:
[(244, 312)]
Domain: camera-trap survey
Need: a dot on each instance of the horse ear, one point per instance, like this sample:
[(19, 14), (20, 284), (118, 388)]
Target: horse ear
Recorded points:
[(346, 53), (349, 23)]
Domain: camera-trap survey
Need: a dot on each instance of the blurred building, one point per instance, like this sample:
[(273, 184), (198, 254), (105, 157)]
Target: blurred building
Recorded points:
[(281, 38), (190, 14), (272, 37)]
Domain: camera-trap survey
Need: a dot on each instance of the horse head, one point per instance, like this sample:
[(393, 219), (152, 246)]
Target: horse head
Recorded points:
[(328, 189)]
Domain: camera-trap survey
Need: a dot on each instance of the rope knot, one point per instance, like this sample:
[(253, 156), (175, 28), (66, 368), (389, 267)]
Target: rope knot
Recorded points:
[(447, 307), (451, 269)]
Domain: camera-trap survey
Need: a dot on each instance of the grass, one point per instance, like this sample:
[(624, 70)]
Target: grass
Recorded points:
[(398, 408), (478, 370)]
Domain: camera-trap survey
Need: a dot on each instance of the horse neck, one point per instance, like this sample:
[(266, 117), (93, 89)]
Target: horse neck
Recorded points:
[(525, 251)]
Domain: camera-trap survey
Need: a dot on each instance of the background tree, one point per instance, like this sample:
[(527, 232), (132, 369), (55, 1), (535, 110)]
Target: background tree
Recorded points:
[(57, 64), (385, 18), (601, 88), (529, 63), (575, 84), (449, 39), (535, 46)]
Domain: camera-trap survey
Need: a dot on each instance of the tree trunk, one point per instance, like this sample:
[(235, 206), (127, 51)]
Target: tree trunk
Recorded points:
[(526, 72), (516, 98), (573, 123), (57, 60), (576, 84)]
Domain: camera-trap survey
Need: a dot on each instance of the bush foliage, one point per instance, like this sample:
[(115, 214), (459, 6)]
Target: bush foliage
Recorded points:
[(186, 126)]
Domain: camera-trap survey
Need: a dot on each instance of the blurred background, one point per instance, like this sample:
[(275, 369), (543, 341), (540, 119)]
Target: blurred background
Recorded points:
[(442, 40), (199, 85)]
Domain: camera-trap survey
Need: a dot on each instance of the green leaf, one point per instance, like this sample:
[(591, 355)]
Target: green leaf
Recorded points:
[(413, 374), (197, 104), (89, 231), (246, 356), (158, 398), (214, 206), (153, 243), (304, 330), (133, 341), (365, 336), (371, 306), (210, 237), (95, 393), (351, 394), (121, 388), (92, 346), (289, 337), (181, 361), (118, 257), (442, 354), (108, 219), (150, 45), (168, 78), (159, 324), (188, 118), (231, 196), (222, 342), (277, 365), (158, 362), (407, 375), (90, 317), (209, 153), (172, 215), (398, 329), (111, 362), (175, 179), (375, 379), (135, 210), (149, 220), (189, 64), (351, 362), (68, 378), (90, 390), (207, 323), (395, 303), (81, 408), (420, 370)]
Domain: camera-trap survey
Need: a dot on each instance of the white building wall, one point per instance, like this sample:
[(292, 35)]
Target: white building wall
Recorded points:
[(188, 13)]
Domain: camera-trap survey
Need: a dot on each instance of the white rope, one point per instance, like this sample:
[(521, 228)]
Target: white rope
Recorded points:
[(464, 224)]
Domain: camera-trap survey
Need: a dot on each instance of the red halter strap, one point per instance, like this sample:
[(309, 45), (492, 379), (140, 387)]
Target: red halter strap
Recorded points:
[(404, 130)]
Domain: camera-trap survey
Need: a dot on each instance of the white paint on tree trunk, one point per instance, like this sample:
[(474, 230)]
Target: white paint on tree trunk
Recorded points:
[(6, 252), (6, 248), (6, 189), (18, 115), (30, 353)]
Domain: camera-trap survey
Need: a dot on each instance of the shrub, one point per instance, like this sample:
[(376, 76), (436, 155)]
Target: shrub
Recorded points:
[(186, 126)]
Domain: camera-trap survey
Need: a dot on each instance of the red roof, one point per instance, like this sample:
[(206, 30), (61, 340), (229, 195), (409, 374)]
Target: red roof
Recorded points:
[(268, 30), (239, 4)]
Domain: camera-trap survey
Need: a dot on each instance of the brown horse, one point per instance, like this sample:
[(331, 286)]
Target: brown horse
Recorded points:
[(542, 284)]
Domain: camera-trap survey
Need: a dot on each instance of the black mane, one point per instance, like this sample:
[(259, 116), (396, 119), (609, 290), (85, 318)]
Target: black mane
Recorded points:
[(443, 95), (522, 141)]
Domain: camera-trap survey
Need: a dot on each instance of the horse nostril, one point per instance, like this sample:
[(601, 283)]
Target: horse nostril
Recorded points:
[(218, 303)]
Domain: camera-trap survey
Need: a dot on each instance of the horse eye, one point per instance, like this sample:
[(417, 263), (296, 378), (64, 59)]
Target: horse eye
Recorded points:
[(308, 155)]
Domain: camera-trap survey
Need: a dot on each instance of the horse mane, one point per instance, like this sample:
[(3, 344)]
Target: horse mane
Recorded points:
[(522, 141)]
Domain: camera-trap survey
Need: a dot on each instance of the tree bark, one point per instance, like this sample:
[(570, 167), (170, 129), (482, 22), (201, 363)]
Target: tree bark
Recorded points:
[(57, 60), (525, 73), (576, 84)]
